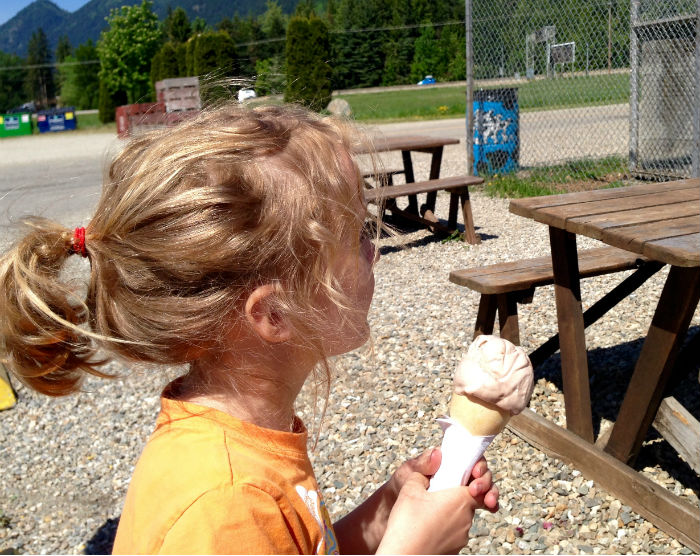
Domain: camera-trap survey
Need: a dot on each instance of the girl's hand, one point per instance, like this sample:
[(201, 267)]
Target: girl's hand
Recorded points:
[(423, 522), (437, 522), (480, 483)]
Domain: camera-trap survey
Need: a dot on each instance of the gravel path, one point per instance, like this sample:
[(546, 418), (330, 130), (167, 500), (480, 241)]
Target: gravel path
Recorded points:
[(66, 463)]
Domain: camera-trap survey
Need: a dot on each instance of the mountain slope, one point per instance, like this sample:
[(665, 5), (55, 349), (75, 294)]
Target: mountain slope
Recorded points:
[(15, 33), (88, 21)]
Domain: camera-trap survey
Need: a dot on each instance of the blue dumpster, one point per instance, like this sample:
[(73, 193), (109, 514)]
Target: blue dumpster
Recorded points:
[(496, 131), (56, 119)]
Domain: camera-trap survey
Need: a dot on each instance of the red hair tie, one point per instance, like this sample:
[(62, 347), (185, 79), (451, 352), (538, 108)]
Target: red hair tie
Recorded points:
[(78, 243)]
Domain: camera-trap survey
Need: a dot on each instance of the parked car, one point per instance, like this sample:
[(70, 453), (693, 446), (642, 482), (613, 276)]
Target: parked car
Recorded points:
[(427, 80), (245, 94)]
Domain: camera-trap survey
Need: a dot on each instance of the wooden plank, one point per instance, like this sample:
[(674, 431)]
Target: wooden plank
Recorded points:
[(561, 215), (404, 189), (636, 236), (676, 306), (406, 143), (589, 260), (574, 358), (527, 273), (678, 251), (680, 429), (675, 516), (627, 217), (530, 206)]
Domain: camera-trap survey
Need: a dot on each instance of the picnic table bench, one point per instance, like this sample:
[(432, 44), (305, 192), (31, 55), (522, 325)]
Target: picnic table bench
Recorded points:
[(504, 285), (425, 216), (458, 187)]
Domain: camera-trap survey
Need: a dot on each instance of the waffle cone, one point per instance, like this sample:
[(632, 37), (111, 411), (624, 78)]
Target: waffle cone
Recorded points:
[(478, 417)]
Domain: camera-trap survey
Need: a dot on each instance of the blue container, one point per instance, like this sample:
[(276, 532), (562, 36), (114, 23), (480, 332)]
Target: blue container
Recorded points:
[(56, 119), (496, 131)]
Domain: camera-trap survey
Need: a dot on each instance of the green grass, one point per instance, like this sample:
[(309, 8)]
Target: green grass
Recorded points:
[(551, 180), (91, 122), (450, 102)]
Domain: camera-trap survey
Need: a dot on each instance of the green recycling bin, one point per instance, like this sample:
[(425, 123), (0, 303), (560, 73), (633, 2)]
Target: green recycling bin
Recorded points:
[(15, 124)]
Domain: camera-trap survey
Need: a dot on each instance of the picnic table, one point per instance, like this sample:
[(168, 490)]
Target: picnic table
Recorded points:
[(660, 221), (458, 189)]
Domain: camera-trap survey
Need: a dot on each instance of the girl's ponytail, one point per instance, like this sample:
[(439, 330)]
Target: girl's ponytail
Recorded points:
[(42, 339)]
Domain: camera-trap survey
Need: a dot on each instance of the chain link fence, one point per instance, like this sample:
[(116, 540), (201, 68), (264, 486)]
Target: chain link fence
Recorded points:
[(616, 82)]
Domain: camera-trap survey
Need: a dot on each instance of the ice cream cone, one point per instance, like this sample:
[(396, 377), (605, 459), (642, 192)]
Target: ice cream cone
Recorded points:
[(478, 417), (492, 382)]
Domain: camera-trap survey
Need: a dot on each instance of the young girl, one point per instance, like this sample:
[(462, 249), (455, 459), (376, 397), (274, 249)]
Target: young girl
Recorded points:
[(233, 243)]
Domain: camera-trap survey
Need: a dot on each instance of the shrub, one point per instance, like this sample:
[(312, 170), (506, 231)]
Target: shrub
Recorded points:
[(308, 71)]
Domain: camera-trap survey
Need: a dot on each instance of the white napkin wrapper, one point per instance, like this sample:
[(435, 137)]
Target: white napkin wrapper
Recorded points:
[(460, 451)]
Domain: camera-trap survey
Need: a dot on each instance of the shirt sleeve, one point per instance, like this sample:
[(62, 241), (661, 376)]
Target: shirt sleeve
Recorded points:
[(240, 519)]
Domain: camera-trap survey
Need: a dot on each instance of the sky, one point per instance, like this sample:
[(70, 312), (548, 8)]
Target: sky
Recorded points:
[(8, 8)]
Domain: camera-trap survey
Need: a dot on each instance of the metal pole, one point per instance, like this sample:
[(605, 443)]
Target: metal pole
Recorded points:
[(696, 116), (470, 85), (610, 36), (634, 91)]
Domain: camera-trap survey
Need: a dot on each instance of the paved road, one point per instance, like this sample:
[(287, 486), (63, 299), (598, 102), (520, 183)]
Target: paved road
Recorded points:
[(550, 136), (60, 175)]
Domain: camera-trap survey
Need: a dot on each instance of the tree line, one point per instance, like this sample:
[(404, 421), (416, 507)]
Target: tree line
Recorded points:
[(336, 44)]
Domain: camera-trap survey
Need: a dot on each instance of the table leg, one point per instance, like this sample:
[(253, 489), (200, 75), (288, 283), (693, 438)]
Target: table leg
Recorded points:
[(410, 178), (574, 359), (677, 304), (428, 209), (470, 235)]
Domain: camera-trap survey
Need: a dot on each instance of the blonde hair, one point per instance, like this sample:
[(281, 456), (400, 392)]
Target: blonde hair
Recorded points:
[(190, 220)]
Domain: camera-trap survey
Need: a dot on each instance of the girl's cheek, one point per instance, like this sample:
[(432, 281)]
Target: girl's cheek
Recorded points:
[(369, 251)]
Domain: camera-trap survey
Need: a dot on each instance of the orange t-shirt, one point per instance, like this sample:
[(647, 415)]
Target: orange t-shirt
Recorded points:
[(208, 483)]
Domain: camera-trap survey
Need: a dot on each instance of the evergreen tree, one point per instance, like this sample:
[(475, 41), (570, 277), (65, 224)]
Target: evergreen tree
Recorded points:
[(108, 102), (305, 8), (165, 63), (308, 71), (214, 54), (273, 25), (39, 83), (426, 55), (63, 49), (176, 25), (79, 81), (12, 82), (270, 78), (199, 25), (181, 55), (398, 45)]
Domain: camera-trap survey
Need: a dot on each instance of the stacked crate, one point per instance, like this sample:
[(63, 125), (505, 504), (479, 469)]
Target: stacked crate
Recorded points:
[(178, 99)]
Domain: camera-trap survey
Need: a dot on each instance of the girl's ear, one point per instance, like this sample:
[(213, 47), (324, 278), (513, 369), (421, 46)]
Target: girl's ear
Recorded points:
[(263, 316)]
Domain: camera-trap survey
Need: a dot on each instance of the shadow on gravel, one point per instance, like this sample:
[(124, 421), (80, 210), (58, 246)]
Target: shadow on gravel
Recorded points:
[(103, 539), (402, 226), (610, 371)]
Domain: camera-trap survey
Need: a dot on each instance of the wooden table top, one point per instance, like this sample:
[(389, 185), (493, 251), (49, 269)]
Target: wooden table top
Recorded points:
[(658, 220), (408, 143)]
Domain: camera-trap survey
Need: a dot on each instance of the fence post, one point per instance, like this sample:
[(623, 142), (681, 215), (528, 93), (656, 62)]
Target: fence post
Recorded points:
[(634, 92), (696, 117), (470, 85)]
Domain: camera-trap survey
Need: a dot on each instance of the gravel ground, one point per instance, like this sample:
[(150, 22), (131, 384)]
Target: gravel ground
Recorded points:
[(66, 463)]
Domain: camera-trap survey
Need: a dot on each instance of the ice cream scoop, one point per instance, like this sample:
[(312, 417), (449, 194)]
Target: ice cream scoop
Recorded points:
[(492, 382)]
